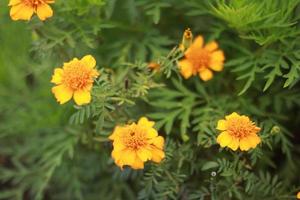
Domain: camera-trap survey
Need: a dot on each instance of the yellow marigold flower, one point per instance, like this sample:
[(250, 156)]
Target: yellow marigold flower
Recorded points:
[(134, 144), (298, 195), (187, 39), (238, 131), (201, 60), (24, 9), (75, 79), (154, 66)]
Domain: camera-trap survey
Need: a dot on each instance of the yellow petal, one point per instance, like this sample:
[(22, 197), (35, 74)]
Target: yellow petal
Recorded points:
[(216, 68), (151, 133), (232, 115), (128, 157), (57, 77), (118, 145), (82, 97), (143, 121), (21, 12), (186, 68), (14, 2), (211, 46), (89, 61), (115, 133), (298, 195), (217, 56), (234, 144), (221, 125), (224, 139), (254, 140), (157, 155), (44, 11), (158, 142), (138, 164), (144, 154), (245, 144), (206, 74), (62, 93)]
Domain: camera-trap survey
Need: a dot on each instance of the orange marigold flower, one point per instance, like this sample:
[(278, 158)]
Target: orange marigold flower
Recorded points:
[(24, 9), (298, 195), (76, 79), (201, 60), (134, 144), (238, 131)]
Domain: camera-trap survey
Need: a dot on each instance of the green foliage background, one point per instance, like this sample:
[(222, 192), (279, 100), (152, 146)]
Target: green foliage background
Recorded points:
[(48, 151)]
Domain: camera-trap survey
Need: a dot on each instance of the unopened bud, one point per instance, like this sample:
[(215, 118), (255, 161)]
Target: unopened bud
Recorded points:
[(275, 130), (187, 39), (154, 66)]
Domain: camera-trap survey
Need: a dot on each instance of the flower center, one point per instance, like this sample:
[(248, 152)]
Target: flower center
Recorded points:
[(241, 128), (200, 59), (77, 76), (135, 137)]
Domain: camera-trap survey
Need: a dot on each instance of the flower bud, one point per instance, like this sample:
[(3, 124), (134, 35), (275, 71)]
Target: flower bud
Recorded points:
[(187, 39)]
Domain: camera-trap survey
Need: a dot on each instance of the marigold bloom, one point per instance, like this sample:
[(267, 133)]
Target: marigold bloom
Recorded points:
[(238, 131), (24, 9), (134, 144), (76, 79), (201, 60), (298, 195)]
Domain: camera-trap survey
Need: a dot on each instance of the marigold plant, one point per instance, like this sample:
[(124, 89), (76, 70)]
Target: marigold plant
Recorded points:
[(149, 100)]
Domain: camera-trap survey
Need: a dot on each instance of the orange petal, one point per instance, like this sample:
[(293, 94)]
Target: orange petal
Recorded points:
[(128, 157), (198, 42), (206, 74), (138, 164), (62, 93), (186, 68), (245, 144), (216, 67), (211, 46), (217, 56)]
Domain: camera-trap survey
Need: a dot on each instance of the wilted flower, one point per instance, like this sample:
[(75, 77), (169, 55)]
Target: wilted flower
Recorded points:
[(134, 144), (75, 79), (201, 60), (24, 9), (238, 131)]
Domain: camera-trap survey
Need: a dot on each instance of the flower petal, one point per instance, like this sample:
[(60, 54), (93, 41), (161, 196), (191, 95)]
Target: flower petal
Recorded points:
[(232, 115), (254, 140), (128, 157), (224, 139), (21, 12), (206, 74), (89, 61), (44, 11), (62, 93), (221, 125), (211, 46), (245, 144), (144, 154), (143, 121), (158, 142), (82, 97), (186, 68), (217, 56), (57, 77), (217, 68), (234, 144), (14, 2), (151, 133), (138, 164), (157, 155), (198, 42)]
